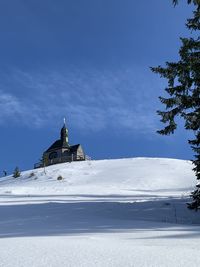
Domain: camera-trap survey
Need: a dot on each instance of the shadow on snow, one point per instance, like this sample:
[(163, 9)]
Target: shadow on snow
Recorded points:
[(80, 217)]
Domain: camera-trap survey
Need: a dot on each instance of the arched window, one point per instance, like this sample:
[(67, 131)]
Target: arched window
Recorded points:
[(53, 155)]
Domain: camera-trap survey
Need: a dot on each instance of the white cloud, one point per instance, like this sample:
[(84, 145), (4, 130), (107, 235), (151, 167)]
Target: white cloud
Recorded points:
[(13, 109), (90, 99)]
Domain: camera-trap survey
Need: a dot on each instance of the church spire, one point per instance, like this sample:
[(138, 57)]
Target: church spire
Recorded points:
[(64, 134)]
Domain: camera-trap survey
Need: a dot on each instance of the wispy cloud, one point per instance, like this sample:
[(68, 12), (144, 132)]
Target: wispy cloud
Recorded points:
[(91, 99), (13, 109)]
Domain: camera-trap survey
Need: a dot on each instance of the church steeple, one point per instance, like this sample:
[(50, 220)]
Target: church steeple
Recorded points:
[(64, 135)]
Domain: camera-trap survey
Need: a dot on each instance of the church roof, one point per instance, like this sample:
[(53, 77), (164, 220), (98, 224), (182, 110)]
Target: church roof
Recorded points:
[(74, 148), (58, 144)]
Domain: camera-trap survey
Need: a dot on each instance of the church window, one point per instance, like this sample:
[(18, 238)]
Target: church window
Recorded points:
[(53, 155)]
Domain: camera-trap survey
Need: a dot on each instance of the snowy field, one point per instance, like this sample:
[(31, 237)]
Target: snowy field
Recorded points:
[(125, 212)]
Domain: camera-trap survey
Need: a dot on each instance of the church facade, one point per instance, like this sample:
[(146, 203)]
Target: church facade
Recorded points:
[(61, 151)]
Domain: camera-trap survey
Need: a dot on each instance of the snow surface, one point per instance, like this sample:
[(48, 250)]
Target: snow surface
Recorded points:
[(125, 212)]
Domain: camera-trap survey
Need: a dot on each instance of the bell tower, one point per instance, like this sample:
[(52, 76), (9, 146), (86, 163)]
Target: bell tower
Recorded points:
[(64, 135)]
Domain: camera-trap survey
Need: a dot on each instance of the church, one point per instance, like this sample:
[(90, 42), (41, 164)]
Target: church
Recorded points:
[(61, 151)]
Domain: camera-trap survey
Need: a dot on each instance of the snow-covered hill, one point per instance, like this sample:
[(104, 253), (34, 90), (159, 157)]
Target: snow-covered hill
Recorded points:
[(124, 212), (126, 177)]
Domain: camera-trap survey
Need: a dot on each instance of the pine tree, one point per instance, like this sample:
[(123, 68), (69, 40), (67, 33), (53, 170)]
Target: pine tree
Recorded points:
[(16, 173), (184, 92)]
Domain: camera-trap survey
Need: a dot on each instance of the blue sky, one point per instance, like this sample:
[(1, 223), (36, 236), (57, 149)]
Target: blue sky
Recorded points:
[(88, 61)]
